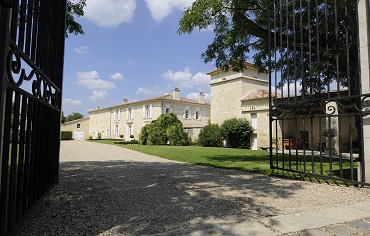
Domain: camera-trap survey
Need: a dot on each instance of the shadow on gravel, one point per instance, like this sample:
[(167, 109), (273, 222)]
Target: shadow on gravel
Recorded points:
[(134, 198)]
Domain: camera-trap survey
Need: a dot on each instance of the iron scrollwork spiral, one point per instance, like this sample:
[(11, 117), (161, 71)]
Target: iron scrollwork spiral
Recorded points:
[(41, 87)]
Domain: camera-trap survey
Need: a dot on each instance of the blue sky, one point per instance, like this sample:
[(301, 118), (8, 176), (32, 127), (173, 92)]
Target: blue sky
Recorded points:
[(131, 49)]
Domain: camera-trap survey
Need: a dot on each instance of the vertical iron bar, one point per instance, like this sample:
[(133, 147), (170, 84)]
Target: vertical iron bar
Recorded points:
[(13, 163), (5, 166)]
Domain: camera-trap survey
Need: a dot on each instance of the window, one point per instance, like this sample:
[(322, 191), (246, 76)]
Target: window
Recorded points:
[(78, 126), (187, 113), (107, 133), (147, 111), (129, 131), (197, 113), (167, 109), (254, 120), (116, 130), (117, 114), (130, 113)]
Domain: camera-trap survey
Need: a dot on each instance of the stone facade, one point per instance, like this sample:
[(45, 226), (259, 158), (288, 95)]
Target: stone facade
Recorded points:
[(128, 118), (80, 128), (242, 95)]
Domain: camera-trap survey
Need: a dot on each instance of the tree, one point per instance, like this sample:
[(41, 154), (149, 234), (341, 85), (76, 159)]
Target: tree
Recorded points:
[(241, 27), (74, 9), (210, 136), (237, 131), (74, 116)]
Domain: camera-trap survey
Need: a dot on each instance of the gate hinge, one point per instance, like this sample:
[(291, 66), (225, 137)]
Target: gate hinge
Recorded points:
[(6, 3)]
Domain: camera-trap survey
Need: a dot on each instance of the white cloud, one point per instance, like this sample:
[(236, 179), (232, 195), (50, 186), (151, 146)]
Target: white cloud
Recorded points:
[(71, 102), (160, 9), (185, 79), (99, 96), (117, 76), (91, 80), (110, 13), (82, 50), (195, 96), (155, 91)]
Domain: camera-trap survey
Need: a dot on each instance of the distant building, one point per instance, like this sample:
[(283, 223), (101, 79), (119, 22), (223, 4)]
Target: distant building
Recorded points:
[(80, 128), (128, 118)]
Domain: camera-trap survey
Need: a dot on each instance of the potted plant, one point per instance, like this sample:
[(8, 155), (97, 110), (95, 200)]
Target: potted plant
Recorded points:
[(132, 137), (121, 136)]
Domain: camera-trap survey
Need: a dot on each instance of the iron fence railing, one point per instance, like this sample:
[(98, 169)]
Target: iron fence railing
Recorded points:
[(316, 105), (31, 60)]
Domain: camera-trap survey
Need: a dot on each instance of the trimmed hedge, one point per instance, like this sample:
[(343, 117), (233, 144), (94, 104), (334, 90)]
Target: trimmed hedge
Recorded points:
[(66, 135), (127, 142)]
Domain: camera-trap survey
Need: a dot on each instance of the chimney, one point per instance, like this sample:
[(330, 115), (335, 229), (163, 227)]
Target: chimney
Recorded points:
[(97, 108), (176, 94), (124, 101), (202, 97)]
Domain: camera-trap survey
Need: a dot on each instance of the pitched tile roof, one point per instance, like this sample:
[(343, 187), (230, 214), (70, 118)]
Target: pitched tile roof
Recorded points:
[(256, 94)]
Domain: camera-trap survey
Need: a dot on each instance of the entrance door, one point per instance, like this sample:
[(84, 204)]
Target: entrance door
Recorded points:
[(254, 142), (78, 135)]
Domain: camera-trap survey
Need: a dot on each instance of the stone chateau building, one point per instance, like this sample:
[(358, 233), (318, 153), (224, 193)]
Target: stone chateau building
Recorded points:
[(128, 118)]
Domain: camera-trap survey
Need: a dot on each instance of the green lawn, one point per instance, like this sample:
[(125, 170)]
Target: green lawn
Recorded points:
[(241, 159)]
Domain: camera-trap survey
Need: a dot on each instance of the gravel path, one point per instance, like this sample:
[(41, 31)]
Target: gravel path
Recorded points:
[(109, 190)]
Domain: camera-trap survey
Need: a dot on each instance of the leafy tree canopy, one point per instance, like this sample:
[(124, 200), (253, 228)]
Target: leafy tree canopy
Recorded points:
[(320, 45), (74, 116), (74, 9)]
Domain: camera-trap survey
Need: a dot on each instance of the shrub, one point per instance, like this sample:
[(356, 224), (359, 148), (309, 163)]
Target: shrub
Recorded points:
[(210, 136), (166, 129), (143, 137), (66, 135), (121, 135), (237, 131), (177, 136), (99, 135)]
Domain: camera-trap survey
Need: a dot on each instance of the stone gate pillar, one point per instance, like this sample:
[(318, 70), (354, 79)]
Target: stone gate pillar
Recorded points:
[(364, 30)]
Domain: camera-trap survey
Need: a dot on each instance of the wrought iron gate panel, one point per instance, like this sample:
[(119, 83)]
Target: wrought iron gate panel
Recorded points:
[(31, 68), (316, 105)]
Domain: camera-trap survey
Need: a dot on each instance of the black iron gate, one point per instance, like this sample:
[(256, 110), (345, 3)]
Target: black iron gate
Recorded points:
[(316, 104), (31, 67)]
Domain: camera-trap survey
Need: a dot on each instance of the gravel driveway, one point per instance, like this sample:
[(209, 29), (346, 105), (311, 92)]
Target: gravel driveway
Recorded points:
[(109, 190)]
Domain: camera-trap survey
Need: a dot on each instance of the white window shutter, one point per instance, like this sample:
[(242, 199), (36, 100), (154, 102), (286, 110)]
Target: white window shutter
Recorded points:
[(126, 113), (119, 114), (189, 114), (183, 114), (150, 110), (195, 114), (200, 115), (144, 111), (118, 130), (115, 115), (132, 113)]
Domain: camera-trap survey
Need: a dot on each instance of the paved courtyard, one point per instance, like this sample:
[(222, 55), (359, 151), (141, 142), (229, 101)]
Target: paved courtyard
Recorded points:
[(109, 190)]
